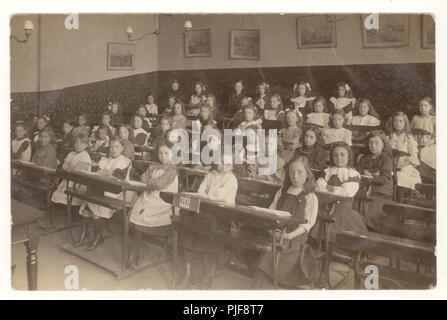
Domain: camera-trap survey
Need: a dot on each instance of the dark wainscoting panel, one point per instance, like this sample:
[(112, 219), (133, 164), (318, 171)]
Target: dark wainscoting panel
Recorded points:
[(92, 99), (390, 87)]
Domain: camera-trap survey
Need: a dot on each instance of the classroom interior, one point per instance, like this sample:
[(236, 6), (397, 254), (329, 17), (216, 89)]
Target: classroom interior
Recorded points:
[(61, 72)]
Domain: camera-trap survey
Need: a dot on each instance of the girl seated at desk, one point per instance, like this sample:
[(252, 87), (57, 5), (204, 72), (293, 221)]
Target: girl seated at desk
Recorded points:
[(151, 214), (378, 164), (118, 166), (125, 133), (367, 115), (201, 254), (82, 127), (79, 160), (44, 156), (20, 145), (401, 139), (68, 130), (297, 197), (343, 181), (101, 144), (312, 144), (106, 118)]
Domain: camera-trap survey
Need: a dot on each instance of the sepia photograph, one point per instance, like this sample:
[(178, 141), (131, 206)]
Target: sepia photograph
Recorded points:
[(277, 167)]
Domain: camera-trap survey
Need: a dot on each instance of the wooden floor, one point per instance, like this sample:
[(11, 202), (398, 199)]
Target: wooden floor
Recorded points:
[(53, 261)]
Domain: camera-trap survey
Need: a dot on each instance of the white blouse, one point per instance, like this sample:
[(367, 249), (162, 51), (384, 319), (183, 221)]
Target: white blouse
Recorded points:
[(320, 119), (349, 178), (332, 135), (220, 186), (74, 159), (367, 120)]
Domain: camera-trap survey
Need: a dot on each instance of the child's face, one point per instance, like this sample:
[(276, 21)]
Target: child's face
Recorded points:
[(150, 99), (105, 119), (41, 123), (238, 87), (123, 133), (164, 154), (309, 138), (198, 89), (80, 146), (398, 123), (66, 128), (210, 101), (338, 121), (44, 138), (340, 156), (20, 132), (341, 91), (261, 90), (164, 125), (177, 109), (115, 108), (319, 107), (82, 121), (297, 174), (363, 109), (174, 86), (375, 145), (171, 102), (102, 134), (274, 102), (141, 111), (115, 149), (424, 108), (137, 122), (291, 118), (204, 113), (302, 90), (248, 114)]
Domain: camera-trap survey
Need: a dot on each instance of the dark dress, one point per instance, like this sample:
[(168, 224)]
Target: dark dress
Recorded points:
[(317, 156), (234, 104), (381, 190), (262, 105), (291, 270), (116, 119), (346, 219)]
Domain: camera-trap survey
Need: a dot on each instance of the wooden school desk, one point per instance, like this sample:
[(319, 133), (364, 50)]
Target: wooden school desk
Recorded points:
[(25, 229), (388, 246), (96, 186), (30, 169), (327, 203), (423, 226), (194, 206)]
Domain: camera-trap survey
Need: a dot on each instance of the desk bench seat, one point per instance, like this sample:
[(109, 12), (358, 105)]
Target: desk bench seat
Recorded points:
[(105, 201)]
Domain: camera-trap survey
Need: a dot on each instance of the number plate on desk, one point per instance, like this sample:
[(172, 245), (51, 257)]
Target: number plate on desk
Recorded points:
[(186, 202)]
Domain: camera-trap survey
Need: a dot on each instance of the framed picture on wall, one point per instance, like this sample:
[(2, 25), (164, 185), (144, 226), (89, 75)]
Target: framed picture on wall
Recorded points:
[(316, 31), (392, 31), (120, 56), (245, 44), (198, 43), (428, 32)]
